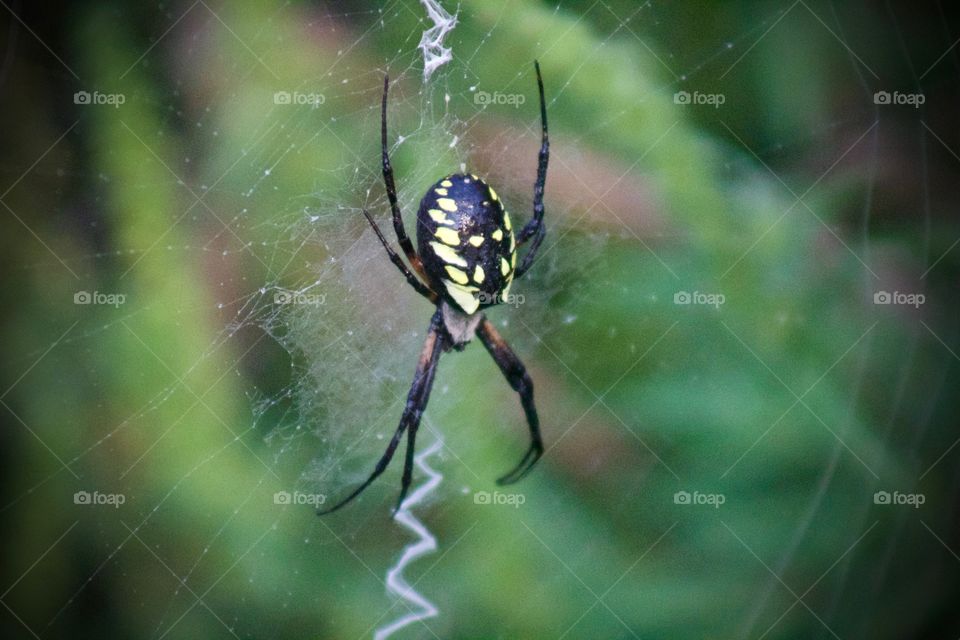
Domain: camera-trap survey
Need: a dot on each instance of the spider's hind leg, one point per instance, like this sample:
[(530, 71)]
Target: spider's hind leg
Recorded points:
[(438, 334), (417, 399), (516, 374)]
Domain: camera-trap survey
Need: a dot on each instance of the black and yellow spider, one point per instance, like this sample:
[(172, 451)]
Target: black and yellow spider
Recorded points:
[(467, 261)]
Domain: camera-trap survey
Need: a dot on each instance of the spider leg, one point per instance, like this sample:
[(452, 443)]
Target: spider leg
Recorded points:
[(439, 346), (535, 228), (391, 187), (516, 374), (421, 288), (407, 466), (416, 403)]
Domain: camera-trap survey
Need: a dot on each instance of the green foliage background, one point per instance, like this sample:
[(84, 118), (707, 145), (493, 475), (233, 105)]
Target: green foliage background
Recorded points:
[(641, 398)]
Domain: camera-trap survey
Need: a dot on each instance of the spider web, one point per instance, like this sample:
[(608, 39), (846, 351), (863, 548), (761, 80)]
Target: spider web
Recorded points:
[(292, 275)]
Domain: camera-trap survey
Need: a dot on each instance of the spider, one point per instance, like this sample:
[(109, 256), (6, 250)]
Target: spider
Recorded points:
[(466, 260)]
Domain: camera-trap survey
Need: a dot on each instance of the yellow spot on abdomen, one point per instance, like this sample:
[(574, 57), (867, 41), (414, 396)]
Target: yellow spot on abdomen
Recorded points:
[(504, 266), (476, 240), (446, 183), (493, 194), (478, 274), (439, 216), (448, 236), (463, 296), (447, 254), (497, 235), (447, 204), (506, 221), (440, 192), (457, 275)]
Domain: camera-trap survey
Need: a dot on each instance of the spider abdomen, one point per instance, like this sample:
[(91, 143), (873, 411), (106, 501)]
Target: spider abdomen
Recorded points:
[(466, 242)]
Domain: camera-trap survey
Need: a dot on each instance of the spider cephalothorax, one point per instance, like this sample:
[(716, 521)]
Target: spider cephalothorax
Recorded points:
[(467, 262)]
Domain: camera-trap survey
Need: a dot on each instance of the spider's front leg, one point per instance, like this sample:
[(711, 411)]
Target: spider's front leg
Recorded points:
[(535, 228), (402, 238), (391, 188), (421, 288), (410, 420), (516, 374)]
